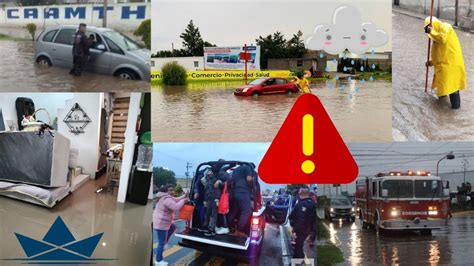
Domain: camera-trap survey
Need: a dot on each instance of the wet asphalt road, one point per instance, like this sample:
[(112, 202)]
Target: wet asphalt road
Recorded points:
[(19, 73), (449, 246), (210, 111), (420, 116), (271, 253)]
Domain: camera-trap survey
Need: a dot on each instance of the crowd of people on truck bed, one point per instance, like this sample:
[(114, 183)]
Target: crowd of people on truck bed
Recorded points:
[(212, 215)]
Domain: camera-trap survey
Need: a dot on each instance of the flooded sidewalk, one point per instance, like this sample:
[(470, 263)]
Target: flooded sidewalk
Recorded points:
[(361, 111), (420, 116), (19, 73)]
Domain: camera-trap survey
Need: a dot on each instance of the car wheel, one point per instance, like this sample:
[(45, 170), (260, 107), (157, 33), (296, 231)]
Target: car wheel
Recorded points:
[(43, 61), (255, 93), (126, 74), (289, 92)]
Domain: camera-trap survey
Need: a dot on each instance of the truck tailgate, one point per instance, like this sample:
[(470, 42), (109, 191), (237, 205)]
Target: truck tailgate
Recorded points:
[(227, 241)]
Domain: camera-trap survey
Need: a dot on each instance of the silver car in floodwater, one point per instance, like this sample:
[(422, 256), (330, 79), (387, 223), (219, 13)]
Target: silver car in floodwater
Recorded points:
[(111, 52)]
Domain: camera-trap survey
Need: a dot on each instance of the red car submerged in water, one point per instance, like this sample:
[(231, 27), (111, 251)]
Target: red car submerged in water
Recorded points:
[(267, 86)]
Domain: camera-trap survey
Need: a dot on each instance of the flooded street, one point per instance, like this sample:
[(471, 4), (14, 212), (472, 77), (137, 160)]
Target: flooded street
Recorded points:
[(420, 116), (448, 246), (19, 73), (361, 111)]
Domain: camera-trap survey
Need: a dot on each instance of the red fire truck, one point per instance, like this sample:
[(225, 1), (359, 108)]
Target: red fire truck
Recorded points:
[(403, 201)]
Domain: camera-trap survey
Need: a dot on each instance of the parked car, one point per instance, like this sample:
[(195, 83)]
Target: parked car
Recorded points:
[(278, 209), (267, 86), (111, 53), (246, 247), (340, 208)]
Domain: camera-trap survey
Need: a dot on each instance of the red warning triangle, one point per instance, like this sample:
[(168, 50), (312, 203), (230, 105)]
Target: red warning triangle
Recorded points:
[(326, 158)]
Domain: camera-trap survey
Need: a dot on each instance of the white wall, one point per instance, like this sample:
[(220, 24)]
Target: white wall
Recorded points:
[(49, 101), (87, 143), (186, 62), (121, 17)]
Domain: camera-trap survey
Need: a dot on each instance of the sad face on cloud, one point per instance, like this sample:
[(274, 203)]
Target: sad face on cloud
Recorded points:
[(347, 31)]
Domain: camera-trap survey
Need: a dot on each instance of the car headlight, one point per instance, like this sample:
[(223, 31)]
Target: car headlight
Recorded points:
[(395, 212), (353, 209), (245, 90), (331, 209)]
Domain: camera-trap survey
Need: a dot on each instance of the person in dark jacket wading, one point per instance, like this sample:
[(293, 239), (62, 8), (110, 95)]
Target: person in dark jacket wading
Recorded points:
[(80, 50)]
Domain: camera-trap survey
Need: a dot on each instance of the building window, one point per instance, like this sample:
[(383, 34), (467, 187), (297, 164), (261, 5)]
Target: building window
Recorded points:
[(196, 63), (152, 63), (299, 63)]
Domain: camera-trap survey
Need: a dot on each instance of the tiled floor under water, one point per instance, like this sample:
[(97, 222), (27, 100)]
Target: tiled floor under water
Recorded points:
[(127, 227)]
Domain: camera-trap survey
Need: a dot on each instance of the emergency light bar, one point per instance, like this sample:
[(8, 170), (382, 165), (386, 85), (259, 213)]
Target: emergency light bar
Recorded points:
[(409, 173)]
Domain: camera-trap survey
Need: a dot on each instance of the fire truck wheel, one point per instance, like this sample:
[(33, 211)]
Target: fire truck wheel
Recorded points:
[(378, 229)]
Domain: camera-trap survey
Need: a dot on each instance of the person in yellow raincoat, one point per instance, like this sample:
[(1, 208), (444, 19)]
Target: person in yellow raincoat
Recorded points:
[(447, 59), (302, 83)]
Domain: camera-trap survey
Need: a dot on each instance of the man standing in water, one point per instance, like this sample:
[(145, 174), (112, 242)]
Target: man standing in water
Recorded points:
[(80, 50), (447, 59)]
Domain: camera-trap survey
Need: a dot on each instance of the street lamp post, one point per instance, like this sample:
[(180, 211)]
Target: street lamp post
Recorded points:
[(448, 156)]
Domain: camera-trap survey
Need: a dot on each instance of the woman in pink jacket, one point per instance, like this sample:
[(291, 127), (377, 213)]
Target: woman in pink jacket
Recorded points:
[(163, 217)]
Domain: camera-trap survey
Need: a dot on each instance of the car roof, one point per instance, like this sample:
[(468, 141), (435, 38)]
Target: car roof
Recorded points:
[(76, 27)]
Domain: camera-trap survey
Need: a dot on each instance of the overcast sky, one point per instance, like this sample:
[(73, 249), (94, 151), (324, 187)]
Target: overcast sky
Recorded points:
[(233, 23), (371, 158)]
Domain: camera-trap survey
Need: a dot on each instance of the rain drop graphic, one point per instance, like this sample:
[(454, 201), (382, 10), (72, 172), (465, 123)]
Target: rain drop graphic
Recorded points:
[(350, 97), (352, 62), (337, 77), (362, 81), (349, 78), (371, 78), (373, 51), (357, 89), (321, 55), (373, 66), (345, 68), (364, 57), (362, 68), (327, 69), (334, 60)]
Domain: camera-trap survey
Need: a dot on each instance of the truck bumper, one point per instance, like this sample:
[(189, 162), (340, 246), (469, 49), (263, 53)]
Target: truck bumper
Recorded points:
[(415, 224)]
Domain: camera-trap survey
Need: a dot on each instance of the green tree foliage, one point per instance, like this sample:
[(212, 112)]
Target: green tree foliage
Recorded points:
[(276, 46), (31, 28), (144, 31), (178, 190), (271, 46), (162, 176), (295, 46), (192, 40), (173, 74)]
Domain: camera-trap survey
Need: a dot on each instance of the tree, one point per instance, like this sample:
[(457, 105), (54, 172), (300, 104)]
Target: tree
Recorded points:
[(272, 46), (192, 40), (144, 30), (295, 46), (162, 176)]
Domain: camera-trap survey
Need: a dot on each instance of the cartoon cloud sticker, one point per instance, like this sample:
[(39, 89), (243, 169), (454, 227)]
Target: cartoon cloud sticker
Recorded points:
[(347, 31)]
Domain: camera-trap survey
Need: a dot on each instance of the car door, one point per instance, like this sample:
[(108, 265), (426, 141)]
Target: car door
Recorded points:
[(99, 55), (269, 85), (61, 51), (280, 85)]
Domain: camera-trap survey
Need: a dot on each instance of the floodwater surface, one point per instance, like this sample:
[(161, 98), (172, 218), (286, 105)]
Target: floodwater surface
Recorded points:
[(19, 73), (449, 246), (420, 116), (361, 111)]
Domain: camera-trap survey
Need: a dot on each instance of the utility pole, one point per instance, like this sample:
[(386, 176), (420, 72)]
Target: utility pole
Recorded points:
[(104, 18), (465, 166), (456, 14), (188, 166)]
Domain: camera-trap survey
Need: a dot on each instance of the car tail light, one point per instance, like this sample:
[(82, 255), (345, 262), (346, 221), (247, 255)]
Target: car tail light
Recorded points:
[(255, 221)]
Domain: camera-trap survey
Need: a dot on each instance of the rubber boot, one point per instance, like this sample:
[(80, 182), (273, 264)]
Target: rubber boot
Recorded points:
[(455, 99)]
